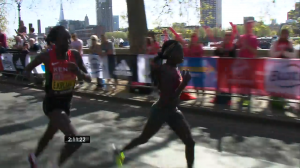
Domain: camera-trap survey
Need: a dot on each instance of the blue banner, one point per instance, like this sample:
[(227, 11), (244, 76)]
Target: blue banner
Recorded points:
[(203, 71)]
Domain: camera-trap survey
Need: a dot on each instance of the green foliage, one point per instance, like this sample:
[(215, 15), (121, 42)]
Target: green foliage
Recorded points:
[(3, 15), (262, 30), (290, 29), (10, 42), (117, 34)]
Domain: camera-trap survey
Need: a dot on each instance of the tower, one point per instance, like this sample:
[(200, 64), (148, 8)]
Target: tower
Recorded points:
[(61, 14), (215, 11), (86, 21), (104, 14)]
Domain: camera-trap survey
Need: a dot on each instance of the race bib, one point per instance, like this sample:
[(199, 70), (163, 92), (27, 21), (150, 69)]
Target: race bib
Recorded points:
[(63, 85)]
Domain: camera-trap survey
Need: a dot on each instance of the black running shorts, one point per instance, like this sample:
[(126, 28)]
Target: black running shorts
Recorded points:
[(52, 103)]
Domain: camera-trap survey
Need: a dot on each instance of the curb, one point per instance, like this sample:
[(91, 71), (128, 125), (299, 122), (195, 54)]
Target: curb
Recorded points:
[(191, 110)]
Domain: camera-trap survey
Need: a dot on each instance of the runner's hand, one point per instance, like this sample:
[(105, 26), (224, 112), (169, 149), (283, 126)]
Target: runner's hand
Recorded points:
[(73, 67), (186, 76)]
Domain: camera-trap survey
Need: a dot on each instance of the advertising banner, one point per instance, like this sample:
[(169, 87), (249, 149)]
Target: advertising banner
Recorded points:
[(96, 66), (241, 75), (203, 71), (144, 68), (282, 78)]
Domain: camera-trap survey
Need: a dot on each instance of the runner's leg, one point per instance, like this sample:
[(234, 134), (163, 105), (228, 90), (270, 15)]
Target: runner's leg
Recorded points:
[(152, 126), (48, 135), (180, 126), (62, 121)]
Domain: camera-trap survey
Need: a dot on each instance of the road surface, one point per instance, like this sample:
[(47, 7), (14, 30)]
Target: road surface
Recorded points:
[(220, 143)]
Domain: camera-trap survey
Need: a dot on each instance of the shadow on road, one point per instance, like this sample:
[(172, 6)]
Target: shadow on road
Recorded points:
[(275, 143)]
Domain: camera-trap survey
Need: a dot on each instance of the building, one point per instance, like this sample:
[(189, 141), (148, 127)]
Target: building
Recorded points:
[(85, 34), (74, 25), (104, 14), (47, 29), (248, 18), (116, 23), (215, 12)]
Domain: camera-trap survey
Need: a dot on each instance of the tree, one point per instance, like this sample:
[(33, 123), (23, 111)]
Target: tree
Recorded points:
[(261, 30), (3, 15), (137, 25), (289, 28), (118, 34)]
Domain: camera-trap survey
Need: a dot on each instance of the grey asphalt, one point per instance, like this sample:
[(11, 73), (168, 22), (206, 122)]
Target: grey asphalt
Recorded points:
[(220, 142)]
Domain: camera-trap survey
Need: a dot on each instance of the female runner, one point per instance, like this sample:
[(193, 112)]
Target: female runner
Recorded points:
[(62, 66), (165, 109)]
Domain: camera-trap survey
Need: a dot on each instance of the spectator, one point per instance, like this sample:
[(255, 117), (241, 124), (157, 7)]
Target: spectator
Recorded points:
[(76, 43), (283, 48), (226, 49), (106, 46), (22, 29), (155, 43), (95, 49), (3, 42), (19, 43), (32, 35), (247, 44), (34, 47), (152, 47), (25, 48), (108, 49), (194, 49)]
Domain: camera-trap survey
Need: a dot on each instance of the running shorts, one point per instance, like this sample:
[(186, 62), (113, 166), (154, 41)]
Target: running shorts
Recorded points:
[(52, 103)]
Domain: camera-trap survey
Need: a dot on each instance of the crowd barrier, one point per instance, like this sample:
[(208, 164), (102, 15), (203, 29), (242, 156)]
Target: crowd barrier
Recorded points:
[(262, 76)]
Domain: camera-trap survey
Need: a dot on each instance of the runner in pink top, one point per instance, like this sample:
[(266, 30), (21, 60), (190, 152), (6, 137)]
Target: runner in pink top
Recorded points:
[(248, 43)]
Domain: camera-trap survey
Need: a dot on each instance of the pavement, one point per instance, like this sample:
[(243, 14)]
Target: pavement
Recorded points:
[(220, 142), (202, 104)]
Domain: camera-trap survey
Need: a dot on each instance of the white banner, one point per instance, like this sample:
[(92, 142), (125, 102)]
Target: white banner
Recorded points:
[(96, 66), (144, 68), (37, 70), (7, 62), (282, 77)]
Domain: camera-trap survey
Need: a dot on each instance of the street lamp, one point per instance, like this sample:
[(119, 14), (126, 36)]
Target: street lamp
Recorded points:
[(19, 9)]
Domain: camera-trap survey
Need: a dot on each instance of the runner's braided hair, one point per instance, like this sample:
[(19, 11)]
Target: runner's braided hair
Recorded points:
[(55, 32), (168, 48)]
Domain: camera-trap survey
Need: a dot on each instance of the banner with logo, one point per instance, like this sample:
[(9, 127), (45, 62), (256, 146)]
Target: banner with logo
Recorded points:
[(123, 66), (282, 78), (19, 60), (144, 68), (241, 75), (203, 71), (7, 62), (96, 66), (37, 70)]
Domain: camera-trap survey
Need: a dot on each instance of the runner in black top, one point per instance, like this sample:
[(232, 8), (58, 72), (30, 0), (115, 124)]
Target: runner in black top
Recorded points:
[(62, 66), (171, 84)]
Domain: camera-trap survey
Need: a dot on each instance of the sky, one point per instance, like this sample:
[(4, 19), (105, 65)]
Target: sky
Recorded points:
[(232, 11)]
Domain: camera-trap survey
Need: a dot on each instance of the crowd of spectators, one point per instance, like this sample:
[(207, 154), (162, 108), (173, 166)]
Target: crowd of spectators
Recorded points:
[(26, 42)]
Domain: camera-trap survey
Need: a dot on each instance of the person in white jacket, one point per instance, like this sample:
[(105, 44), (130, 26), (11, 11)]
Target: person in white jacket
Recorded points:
[(283, 48)]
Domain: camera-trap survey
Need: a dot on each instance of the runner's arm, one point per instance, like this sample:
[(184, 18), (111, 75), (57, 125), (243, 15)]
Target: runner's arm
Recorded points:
[(82, 72)]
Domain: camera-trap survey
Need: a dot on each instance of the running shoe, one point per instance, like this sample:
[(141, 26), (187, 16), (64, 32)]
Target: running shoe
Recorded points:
[(246, 102), (118, 156), (32, 160)]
